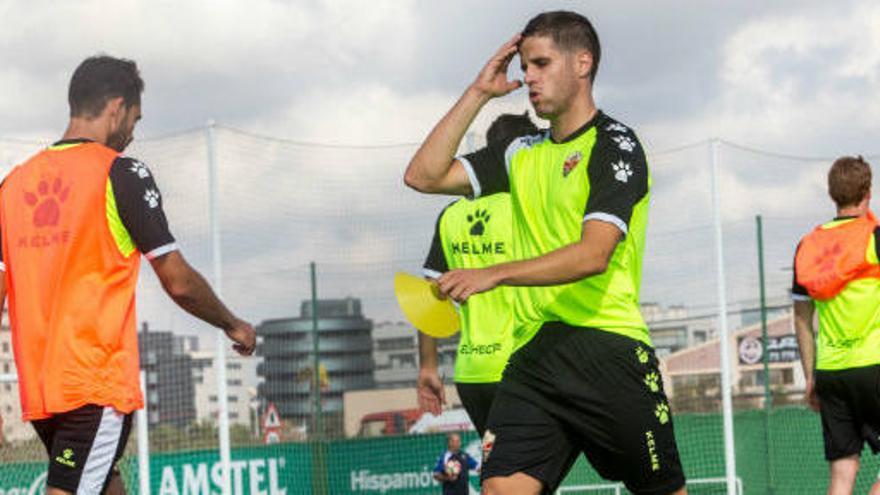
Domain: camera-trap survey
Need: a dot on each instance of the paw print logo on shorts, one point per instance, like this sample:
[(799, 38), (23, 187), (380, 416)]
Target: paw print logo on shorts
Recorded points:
[(625, 143), (47, 202), (622, 171), (152, 198), (478, 221), (652, 381), (642, 354), (662, 413)]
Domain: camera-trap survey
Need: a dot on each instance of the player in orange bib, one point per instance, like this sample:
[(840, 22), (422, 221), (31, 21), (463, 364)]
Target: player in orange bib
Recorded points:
[(74, 221), (837, 275)]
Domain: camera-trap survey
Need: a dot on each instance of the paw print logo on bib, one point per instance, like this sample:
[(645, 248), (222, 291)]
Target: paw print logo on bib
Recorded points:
[(478, 221), (47, 202)]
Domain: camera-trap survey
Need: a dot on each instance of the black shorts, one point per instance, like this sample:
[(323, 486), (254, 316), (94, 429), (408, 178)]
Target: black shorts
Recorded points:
[(572, 390), (849, 403), (477, 400), (83, 446)]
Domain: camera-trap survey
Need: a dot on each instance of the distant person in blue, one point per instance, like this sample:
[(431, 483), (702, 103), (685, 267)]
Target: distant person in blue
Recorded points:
[(453, 466)]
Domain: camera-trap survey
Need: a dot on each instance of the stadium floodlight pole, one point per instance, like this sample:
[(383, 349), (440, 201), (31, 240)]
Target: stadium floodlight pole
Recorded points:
[(220, 362), (143, 442), (723, 337)]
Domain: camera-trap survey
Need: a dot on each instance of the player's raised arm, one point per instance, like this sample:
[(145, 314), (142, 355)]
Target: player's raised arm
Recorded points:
[(434, 168)]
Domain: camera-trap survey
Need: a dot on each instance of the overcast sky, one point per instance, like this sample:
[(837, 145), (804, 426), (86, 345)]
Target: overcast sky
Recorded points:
[(794, 77)]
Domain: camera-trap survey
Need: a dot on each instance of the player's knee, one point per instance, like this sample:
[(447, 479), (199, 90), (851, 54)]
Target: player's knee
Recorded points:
[(845, 469), (517, 484)]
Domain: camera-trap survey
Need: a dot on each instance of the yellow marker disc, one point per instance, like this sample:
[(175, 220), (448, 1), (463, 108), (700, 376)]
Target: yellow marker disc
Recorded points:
[(422, 306)]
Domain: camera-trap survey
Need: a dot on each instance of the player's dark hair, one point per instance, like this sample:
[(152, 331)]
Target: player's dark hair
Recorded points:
[(99, 79), (849, 180), (508, 126), (570, 31)]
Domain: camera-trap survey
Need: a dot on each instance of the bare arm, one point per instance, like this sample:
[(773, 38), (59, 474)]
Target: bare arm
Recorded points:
[(588, 257), (803, 322), (433, 168), (430, 390), (192, 293)]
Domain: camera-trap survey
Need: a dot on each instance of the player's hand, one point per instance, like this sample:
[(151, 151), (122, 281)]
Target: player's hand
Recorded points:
[(430, 390), (462, 284), (244, 336), (492, 80), (810, 395)]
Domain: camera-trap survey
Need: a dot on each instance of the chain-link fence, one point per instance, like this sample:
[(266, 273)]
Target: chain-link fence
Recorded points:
[(305, 240)]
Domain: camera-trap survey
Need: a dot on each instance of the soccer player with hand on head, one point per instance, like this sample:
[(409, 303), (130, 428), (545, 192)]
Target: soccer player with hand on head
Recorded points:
[(583, 377)]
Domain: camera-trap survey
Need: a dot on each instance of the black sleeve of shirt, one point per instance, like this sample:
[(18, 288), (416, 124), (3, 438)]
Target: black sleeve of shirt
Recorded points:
[(436, 260), (618, 174), (798, 290), (140, 205), (489, 165)]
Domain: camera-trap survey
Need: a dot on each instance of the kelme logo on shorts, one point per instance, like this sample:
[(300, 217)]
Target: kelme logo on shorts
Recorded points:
[(571, 163), (66, 458), (47, 202), (651, 443)]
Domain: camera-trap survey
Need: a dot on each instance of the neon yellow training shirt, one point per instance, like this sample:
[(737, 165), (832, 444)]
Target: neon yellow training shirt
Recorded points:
[(598, 173), (477, 234)]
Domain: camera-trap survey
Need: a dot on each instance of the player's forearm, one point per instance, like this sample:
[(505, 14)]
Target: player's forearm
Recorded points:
[(193, 293), (565, 265), (803, 322), (429, 168), (427, 352)]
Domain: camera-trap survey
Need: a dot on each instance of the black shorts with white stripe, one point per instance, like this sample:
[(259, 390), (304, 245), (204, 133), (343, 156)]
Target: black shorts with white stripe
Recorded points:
[(83, 446)]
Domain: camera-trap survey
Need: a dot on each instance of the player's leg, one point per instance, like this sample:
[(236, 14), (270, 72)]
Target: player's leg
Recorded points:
[(843, 475), (86, 444), (618, 408), (841, 430), (45, 429), (515, 484), (526, 450), (477, 401), (114, 485)]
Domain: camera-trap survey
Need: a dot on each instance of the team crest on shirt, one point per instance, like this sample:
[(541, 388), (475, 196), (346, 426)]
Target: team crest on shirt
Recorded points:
[(571, 163)]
